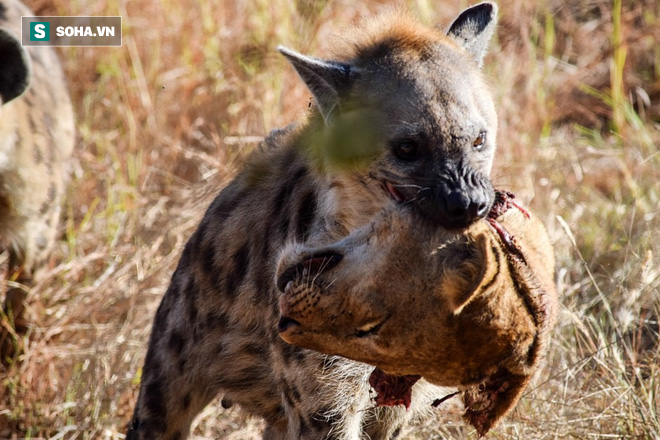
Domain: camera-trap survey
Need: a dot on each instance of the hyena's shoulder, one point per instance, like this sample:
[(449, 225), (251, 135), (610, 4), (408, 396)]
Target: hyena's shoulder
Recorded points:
[(36, 141), (274, 198)]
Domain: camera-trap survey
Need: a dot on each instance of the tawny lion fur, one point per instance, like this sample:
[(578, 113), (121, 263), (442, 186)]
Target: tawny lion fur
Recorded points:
[(459, 309)]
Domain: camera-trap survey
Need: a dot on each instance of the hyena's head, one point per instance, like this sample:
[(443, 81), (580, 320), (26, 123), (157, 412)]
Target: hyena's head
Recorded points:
[(408, 105)]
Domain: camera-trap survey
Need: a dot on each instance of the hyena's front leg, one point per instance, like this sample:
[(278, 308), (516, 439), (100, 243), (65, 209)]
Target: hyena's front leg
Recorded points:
[(171, 395)]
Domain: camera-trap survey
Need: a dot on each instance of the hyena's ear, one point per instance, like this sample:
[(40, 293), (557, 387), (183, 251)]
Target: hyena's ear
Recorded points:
[(327, 80), (474, 27), (14, 67)]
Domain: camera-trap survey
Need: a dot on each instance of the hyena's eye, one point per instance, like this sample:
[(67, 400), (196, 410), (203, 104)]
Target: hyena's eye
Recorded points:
[(480, 141), (406, 149)]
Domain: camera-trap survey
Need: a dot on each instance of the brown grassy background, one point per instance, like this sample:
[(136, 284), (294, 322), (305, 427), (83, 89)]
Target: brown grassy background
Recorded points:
[(165, 120)]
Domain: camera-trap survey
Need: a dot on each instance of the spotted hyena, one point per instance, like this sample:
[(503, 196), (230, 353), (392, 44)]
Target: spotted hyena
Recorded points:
[(471, 309), (36, 140), (402, 115)]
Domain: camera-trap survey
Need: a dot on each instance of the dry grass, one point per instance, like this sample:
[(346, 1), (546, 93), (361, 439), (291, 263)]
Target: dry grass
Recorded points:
[(164, 120)]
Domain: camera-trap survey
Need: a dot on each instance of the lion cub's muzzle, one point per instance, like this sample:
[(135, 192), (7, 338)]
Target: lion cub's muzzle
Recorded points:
[(316, 309), (301, 292)]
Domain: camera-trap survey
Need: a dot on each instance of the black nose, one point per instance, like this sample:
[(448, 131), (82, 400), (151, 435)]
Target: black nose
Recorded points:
[(463, 208), (459, 208), (460, 197)]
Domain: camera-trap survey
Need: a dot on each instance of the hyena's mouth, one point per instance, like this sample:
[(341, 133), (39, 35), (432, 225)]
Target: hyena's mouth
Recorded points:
[(393, 192)]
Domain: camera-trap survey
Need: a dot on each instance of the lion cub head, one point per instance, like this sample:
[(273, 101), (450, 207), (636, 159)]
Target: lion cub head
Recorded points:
[(412, 298)]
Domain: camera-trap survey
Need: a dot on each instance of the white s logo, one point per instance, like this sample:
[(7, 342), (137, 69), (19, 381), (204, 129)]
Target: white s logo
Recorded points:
[(40, 31)]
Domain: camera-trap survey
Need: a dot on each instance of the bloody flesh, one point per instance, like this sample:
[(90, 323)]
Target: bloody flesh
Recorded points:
[(392, 390), (504, 200)]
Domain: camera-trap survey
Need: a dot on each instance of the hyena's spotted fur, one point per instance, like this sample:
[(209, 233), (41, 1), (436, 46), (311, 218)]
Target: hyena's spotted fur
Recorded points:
[(404, 118), (36, 141)]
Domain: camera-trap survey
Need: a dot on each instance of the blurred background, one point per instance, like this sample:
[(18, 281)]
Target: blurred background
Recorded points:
[(164, 121)]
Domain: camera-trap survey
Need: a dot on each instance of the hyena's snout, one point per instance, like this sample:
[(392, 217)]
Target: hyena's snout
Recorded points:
[(459, 199)]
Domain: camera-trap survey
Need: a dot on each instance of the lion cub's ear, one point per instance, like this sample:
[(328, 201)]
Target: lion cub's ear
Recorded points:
[(471, 278), (487, 403)]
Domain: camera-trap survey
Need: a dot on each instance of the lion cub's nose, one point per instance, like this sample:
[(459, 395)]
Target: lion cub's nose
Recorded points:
[(311, 265)]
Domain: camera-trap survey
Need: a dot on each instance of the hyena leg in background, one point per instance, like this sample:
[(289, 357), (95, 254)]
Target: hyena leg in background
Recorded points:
[(12, 315)]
